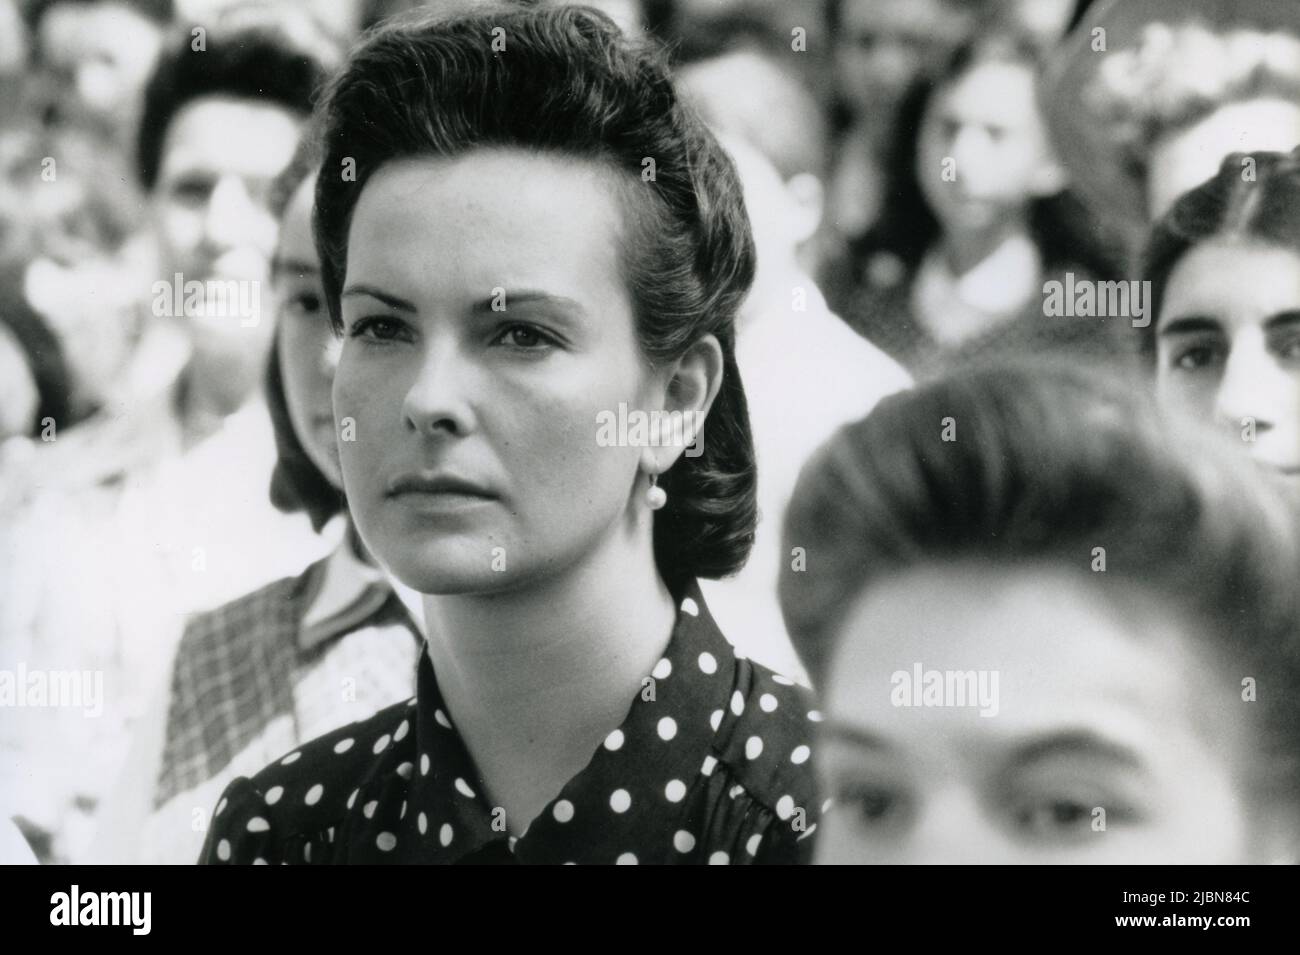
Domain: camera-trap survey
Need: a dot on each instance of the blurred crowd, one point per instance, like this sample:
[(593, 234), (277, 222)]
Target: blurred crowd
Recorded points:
[(919, 174)]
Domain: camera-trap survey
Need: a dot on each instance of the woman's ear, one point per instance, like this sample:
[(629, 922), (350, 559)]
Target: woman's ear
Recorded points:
[(679, 428)]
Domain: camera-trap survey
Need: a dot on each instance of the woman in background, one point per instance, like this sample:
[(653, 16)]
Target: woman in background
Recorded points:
[(298, 657), (1224, 268), (1050, 626)]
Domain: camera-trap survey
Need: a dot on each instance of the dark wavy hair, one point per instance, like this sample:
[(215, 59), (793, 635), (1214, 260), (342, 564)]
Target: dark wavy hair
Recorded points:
[(252, 52), (1049, 462), (1264, 207), (571, 83)]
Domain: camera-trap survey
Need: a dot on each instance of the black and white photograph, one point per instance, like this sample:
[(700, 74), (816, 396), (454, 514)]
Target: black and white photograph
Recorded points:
[(659, 432)]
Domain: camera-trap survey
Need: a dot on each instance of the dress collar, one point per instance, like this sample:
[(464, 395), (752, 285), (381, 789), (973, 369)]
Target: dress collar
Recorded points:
[(641, 768), (344, 593)]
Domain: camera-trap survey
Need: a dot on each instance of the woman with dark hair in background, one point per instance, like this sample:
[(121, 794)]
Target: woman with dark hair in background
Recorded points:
[(976, 220), (1224, 268), (300, 656), (540, 238), (1049, 625)]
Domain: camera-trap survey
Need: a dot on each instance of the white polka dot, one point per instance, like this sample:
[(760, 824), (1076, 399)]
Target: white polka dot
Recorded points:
[(735, 791), (424, 764), (353, 798), (815, 716), (273, 795), (800, 755), (662, 669), (403, 728), (291, 759), (785, 807), (306, 851), (381, 744), (562, 811), (626, 858), (445, 834), (719, 858), (423, 822), (737, 703), (667, 728), (767, 702), (614, 741), (314, 794), (620, 800), (462, 787), (510, 842), (441, 719), (783, 680), (260, 862), (220, 806), (369, 808), (708, 663), (343, 745), (675, 790), (715, 719), (406, 770), (258, 824), (753, 747), (386, 841), (683, 841), (223, 850), (707, 768), (826, 806), (751, 845), (691, 607)]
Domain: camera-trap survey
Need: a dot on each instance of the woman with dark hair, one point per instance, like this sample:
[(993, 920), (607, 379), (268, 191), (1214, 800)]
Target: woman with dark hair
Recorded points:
[(1050, 625), (977, 218), (300, 656), (531, 240), (1224, 268)]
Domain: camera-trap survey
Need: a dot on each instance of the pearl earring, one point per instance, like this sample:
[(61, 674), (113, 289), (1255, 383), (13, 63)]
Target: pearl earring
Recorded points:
[(655, 496)]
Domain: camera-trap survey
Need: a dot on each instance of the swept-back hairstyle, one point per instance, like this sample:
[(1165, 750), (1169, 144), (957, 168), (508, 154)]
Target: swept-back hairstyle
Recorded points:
[(569, 82), (1049, 463), (1263, 207)]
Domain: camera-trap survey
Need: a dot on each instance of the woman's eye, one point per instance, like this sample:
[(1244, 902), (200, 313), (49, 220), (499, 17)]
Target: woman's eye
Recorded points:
[(524, 336), (308, 303), (1054, 819), (871, 806), (1197, 356), (376, 329), (192, 189), (1290, 350)]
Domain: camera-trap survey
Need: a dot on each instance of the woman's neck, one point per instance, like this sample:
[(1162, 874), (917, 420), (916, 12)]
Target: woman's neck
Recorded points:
[(535, 678)]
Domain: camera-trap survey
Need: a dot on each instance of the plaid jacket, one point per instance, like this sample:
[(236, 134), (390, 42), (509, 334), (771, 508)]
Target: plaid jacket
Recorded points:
[(237, 665)]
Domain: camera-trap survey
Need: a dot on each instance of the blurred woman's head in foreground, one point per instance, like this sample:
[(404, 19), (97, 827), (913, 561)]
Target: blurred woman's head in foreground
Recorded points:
[(1050, 624)]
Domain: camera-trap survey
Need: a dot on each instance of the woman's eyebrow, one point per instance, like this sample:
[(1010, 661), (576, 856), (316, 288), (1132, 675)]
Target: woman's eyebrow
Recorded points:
[(392, 301), (280, 266), (1188, 325), (1074, 742), (1283, 321), (502, 303)]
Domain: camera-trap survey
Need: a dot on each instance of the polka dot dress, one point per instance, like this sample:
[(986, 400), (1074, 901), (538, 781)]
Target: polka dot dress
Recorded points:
[(712, 766)]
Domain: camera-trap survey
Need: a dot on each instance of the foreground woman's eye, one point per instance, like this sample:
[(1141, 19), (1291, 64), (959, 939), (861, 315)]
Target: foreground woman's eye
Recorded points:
[(872, 806), (523, 336), (1065, 818), (377, 329)]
